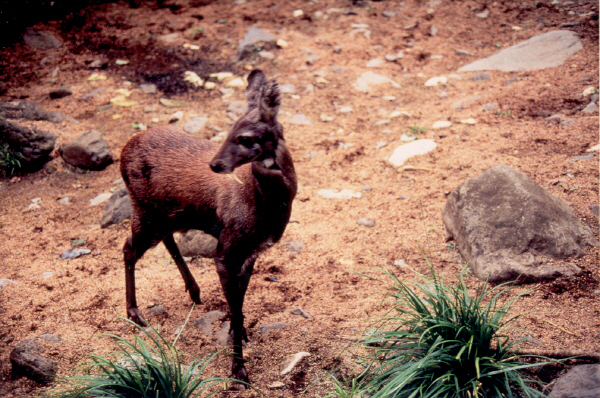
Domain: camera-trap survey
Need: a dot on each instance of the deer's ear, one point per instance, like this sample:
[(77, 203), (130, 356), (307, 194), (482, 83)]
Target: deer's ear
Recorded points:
[(270, 101), (256, 81)]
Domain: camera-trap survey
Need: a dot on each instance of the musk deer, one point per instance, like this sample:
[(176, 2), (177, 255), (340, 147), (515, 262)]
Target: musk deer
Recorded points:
[(178, 182)]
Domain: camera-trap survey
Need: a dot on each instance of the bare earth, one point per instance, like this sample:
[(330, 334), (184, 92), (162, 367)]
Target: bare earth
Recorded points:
[(80, 300)]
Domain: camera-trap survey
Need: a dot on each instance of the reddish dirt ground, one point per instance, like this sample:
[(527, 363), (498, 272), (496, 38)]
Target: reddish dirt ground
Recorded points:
[(80, 300)]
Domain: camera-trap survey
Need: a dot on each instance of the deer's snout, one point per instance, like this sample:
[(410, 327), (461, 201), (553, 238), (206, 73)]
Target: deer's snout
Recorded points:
[(216, 167)]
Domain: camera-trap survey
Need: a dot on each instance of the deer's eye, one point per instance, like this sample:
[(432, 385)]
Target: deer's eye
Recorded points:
[(245, 141)]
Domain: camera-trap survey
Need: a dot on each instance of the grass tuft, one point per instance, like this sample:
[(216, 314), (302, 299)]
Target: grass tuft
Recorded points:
[(441, 341), (148, 369)]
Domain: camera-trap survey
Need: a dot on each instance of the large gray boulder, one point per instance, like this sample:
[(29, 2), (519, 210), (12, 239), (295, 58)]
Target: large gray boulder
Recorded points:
[(88, 151), (543, 51), (506, 226), (35, 146), (582, 381)]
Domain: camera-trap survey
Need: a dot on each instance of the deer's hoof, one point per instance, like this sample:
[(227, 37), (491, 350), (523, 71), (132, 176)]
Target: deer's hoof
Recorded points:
[(136, 316), (195, 294), (240, 374)]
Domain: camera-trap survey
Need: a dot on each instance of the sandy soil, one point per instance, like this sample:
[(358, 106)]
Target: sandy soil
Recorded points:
[(80, 300)]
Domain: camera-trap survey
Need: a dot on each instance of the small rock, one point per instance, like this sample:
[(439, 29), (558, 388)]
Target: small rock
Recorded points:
[(175, 117), (434, 81), (74, 253), (483, 14), (443, 94), (566, 122), (300, 311), (204, 322), (433, 31), (381, 144), (290, 362), (300, 119), (511, 81), (223, 336), (103, 197), (88, 96), (195, 243), (411, 25), (389, 14), (366, 188), (237, 82), (157, 310), (274, 326), (595, 209), (590, 108), (337, 69), (337, 49), (478, 77), (282, 43), (117, 209), (295, 246), (88, 151), (343, 194), (266, 54), (169, 103), (463, 52), (366, 222), (5, 282), (406, 151), (375, 63), (287, 88), (488, 107), (50, 337), (148, 88), (441, 124), (195, 125), (61, 92), (407, 138), (41, 40), (276, 385), (325, 118), (272, 279), (366, 80), (345, 109)]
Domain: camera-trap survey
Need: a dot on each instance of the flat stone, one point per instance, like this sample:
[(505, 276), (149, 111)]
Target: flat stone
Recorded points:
[(204, 323), (34, 145), (74, 253), (300, 119), (406, 151), (274, 326), (590, 108), (334, 194), (148, 88), (301, 312), (543, 51), (480, 77), (287, 88), (195, 125), (291, 361), (295, 246), (103, 197), (366, 80), (41, 40), (375, 63), (29, 111), (255, 37)]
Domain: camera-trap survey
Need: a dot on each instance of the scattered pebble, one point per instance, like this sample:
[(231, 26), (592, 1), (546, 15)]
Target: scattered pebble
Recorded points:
[(406, 151), (295, 246), (301, 312), (103, 197), (381, 144), (334, 194), (479, 77), (366, 222), (375, 63), (407, 138), (74, 253), (488, 107), (441, 124), (274, 326), (434, 81), (300, 119)]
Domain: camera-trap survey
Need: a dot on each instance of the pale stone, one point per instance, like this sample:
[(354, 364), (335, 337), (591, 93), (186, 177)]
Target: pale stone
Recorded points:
[(406, 151)]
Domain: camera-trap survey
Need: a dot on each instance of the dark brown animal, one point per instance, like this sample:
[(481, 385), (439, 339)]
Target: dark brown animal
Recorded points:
[(179, 182)]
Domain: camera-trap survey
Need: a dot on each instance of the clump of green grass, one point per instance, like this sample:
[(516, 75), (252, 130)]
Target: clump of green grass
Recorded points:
[(417, 129), (10, 160), (140, 369), (441, 341)]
